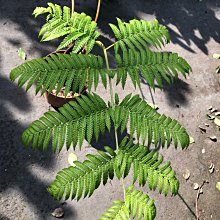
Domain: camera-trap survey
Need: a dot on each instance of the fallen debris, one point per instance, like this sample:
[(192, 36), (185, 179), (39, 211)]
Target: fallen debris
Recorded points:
[(211, 168), (186, 174), (200, 191), (217, 186), (202, 129), (210, 117), (58, 213), (191, 140), (217, 122), (71, 159), (195, 186), (213, 138)]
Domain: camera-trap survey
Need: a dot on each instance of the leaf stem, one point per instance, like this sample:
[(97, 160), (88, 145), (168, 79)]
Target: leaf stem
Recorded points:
[(98, 11), (112, 45), (73, 6)]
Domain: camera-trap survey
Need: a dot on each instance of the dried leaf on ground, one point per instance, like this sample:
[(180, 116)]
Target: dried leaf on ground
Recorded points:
[(213, 138), (217, 122), (202, 129), (191, 140), (71, 159), (211, 168), (216, 56), (210, 117), (58, 213), (186, 174), (218, 186), (196, 186), (213, 110)]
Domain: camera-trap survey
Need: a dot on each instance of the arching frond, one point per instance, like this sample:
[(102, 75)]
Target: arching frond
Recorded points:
[(72, 71), (82, 180), (78, 29), (73, 123), (139, 34), (136, 204), (90, 115), (153, 66), (119, 211), (148, 124), (147, 166)]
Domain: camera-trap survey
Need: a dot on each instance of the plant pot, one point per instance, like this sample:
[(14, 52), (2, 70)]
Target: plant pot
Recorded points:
[(59, 101)]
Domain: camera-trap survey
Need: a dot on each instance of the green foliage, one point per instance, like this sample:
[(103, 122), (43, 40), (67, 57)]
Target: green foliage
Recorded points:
[(82, 180), (146, 168), (90, 115), (136, 204), (147, 123), (139, 34), (71, 71), (152, 66), (73, 123), (78, 29)]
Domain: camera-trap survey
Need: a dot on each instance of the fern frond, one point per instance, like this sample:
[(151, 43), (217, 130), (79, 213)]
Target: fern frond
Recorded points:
[(71, 71), (148, 124), (85, 178), (78, 27), (154, 66), (73, 123), (147, 166), (119, 211), (139, 34), (136, 204)]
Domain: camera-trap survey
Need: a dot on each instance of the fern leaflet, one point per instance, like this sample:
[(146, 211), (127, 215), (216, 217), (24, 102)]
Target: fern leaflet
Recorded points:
[(136, 204), (147, 123), (73, 123), (78, 27), (71, 71), (139, 34), (153, 66), (82, 180)]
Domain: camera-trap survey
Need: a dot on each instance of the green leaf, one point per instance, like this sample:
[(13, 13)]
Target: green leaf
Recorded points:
[(71, 125), (136, 204), (83, 179), (22, 54), (153, 66), (60, 70)]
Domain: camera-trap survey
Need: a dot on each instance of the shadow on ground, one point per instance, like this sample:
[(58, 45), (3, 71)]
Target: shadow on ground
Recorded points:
[(194, 21), (15, 160)]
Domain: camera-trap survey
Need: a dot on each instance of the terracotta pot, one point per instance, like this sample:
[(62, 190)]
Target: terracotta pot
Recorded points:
[(59, 101)]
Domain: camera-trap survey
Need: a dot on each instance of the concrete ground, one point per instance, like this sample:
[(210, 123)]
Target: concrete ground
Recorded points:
[(25, 174)]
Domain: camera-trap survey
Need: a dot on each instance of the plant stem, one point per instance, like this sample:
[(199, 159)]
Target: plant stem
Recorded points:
[(112, 103), (110, 80), (112, 45), (111, 94), (97, 11), (73, 5)]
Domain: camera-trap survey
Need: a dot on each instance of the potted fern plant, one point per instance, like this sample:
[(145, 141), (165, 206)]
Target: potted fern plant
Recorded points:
[(90, 115), (79, 34)]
